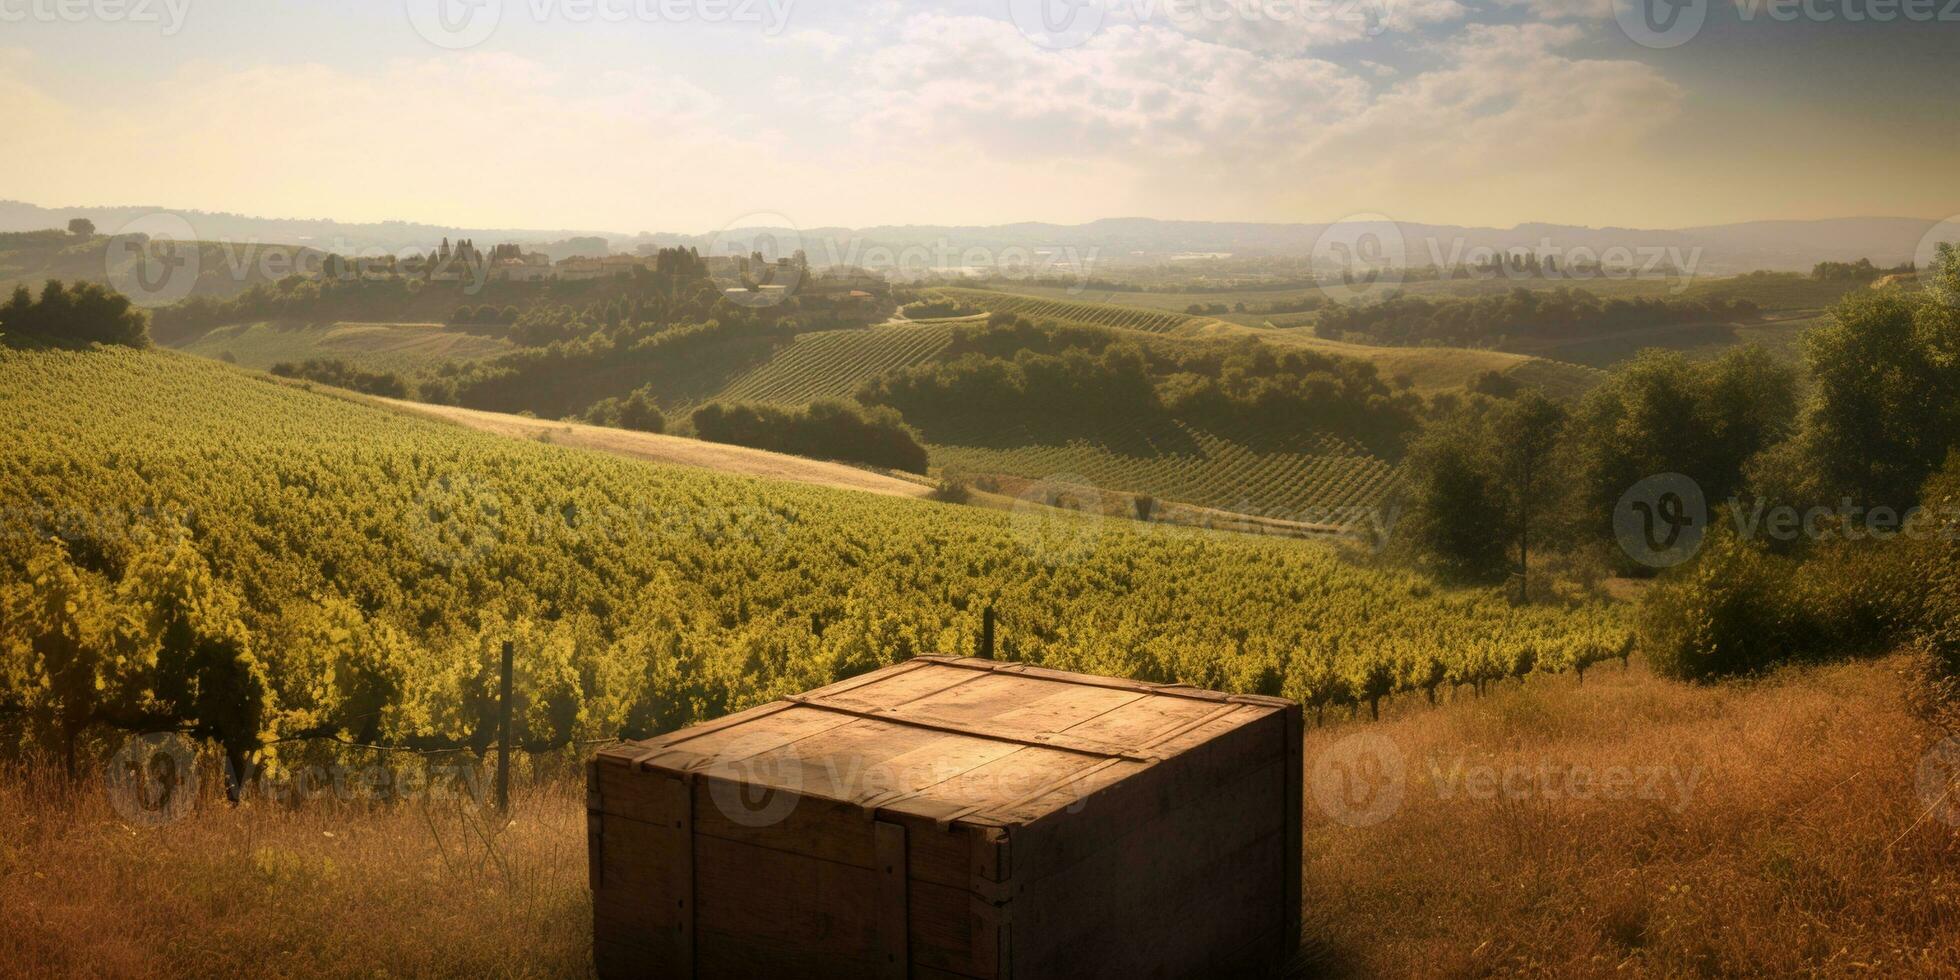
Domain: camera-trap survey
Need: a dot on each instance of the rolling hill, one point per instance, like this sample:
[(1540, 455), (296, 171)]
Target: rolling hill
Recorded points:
[(1075, 311), (1308, 477), (393, 347), (362, 565)]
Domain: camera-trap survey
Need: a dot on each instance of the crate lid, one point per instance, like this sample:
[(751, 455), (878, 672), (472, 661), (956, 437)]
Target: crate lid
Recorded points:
[(955, 740)]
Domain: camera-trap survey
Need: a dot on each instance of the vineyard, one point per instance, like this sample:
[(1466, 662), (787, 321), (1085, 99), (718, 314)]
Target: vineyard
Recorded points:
[(834, 363), (1060, 311), (1325, 480), (186, 544)]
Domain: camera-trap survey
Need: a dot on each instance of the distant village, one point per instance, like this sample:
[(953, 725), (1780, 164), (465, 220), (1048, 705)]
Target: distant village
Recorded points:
[(509, 262)]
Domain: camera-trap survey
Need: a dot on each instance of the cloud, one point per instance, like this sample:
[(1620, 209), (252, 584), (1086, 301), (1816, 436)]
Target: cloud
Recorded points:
[(1130, 90), (825, 43), (1173, 113), (1295, 26), (928, 116)]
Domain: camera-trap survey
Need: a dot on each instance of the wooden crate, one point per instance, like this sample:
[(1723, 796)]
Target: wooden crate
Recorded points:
[(949, 817)]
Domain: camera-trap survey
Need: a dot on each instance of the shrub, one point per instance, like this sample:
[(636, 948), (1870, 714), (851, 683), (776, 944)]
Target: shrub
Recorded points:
[(341, 374), (1727, 613), (636, 412), (952, 490), (825, 430)]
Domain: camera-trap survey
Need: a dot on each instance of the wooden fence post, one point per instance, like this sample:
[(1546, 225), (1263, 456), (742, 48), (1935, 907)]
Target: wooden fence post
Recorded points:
[(503, 734), (987, 633)]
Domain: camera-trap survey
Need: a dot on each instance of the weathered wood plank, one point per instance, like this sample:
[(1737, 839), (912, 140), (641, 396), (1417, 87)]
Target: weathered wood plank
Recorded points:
[(894, 901)]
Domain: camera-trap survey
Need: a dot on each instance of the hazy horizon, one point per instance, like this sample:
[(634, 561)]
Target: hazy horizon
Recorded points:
[(60, 212)]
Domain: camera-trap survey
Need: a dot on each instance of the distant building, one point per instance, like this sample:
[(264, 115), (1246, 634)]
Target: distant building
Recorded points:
[(534, 267), (579, 267)]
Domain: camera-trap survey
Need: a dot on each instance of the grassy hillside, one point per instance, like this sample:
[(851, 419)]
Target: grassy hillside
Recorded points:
[(1303, 476), (1065, 310), (1654, 829), (329, 535), (1427, 369), (835, 363), (1781, 336), (390, 347), (1306, 475), (1771, 291), (1327, 481)]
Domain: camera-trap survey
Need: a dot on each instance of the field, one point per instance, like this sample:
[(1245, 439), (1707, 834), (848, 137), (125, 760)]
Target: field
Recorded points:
[(1430, 370), (1331, 482), (1290, 476), (1068, 311), (835, 363), (1773, 291), (640, 596), (389, 347), (1784, 833), (1782, 337)]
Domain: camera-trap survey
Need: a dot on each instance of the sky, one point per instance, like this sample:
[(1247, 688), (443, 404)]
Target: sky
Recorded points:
[(695, 115)]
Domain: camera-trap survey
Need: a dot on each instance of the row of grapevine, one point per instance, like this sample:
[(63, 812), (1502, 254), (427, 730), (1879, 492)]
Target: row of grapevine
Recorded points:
[(185, 543), (835, 363), (1324, 480), (1042, 310)]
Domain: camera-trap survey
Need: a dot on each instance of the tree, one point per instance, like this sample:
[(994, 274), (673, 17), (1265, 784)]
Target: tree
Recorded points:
[(1666, 414), (1528, 458), (86, 313), (1486, 484), (1886, 409), (1453, 513), (81, 227)]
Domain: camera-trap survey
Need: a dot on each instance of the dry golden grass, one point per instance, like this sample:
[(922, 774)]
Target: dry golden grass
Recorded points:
[(1803, 848), (271, 889)]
